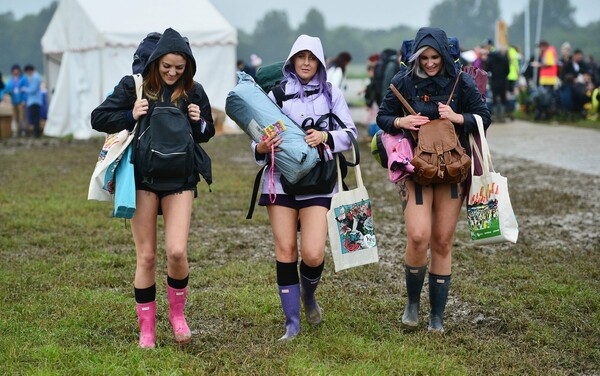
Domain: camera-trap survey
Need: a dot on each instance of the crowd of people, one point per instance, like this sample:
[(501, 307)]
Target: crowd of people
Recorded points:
[(26, 93), (313, 87), (556, 86)]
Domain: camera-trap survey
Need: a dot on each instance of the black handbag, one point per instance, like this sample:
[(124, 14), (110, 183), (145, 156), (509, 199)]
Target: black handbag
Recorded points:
[(322, 178)]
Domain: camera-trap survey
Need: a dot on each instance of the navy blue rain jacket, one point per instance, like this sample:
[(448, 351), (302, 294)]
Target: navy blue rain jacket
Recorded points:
[(423, 94)]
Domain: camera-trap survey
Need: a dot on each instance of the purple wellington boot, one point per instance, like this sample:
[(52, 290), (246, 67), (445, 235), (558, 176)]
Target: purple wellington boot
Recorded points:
[(290, 302)]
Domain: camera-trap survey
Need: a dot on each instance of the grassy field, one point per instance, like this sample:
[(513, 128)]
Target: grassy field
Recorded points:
[(66, 271)]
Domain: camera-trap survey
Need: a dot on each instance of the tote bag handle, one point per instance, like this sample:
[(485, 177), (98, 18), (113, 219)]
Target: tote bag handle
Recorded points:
[(139, 84), (484, 155), (355, 164)]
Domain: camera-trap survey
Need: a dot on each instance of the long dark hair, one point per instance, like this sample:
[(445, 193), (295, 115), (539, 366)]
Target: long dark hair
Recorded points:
[(341, 60), (153, 83)]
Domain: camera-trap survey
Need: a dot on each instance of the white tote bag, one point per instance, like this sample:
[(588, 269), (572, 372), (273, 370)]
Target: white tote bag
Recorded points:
[(350, 225), (112, 151), (489, 211)]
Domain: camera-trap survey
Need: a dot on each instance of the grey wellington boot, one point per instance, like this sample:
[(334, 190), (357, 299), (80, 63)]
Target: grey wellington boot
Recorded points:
[(438, 296), (414, 283)]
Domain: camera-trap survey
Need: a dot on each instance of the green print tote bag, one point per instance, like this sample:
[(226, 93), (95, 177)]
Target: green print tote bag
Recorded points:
[(350, 225), (489, 211)]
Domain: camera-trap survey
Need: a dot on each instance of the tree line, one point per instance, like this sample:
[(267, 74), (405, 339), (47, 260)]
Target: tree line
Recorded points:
[(20, 40), (470, 21)]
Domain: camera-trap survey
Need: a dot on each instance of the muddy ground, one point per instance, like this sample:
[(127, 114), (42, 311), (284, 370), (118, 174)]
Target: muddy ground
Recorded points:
[(558, 210)]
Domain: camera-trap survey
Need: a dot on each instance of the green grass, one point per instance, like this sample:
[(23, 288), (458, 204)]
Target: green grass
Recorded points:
[(66, 271)]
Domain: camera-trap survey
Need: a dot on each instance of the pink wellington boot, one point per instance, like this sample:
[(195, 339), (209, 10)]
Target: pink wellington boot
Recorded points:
[(147, 320), (176, 305)]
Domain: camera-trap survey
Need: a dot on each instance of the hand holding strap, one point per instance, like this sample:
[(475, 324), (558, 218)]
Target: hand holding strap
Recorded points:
[(409, 107)]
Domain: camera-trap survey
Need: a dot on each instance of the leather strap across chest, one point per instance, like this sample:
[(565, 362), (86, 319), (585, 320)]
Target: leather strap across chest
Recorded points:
[(409, 107)]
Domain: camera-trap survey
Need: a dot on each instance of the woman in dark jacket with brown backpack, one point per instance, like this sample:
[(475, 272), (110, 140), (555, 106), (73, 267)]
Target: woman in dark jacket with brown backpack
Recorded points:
[(431, 211)]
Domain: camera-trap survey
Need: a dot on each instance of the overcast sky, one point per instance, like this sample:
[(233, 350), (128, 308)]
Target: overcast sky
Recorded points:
[(337, 12)]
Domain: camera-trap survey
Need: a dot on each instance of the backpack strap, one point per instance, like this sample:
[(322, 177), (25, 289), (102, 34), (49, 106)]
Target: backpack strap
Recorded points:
[(281, 96), (409, 107), (454, 190), (405, 104), (337, 119), (418, 194), (257, 180), (453, 88)]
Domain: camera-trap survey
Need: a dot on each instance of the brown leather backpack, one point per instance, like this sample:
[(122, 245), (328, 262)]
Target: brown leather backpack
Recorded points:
[(438, 156)]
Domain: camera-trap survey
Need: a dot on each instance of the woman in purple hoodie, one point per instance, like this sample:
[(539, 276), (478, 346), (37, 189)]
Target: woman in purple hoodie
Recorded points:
[(305, 79)]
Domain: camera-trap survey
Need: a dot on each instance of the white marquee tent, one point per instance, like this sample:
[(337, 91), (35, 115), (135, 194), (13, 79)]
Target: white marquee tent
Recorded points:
[(89, 45)]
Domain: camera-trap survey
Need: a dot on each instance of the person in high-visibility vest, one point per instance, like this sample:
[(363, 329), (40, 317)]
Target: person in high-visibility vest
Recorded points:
[(514, 61), (548, 64)]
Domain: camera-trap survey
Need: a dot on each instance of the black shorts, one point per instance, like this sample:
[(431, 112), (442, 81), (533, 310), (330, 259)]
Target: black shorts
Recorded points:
[(290, 201), (172, 187), (162, 194)]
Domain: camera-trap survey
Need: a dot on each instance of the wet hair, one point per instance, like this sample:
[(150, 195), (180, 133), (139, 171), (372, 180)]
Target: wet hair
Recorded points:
[(416, 67), (289, 74), (153, 83)]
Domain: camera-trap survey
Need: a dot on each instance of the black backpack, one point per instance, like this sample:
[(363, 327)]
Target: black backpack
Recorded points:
[(143, 52), (165, 149)]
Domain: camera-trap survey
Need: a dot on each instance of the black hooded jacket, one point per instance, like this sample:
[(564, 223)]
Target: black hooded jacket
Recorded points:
[(423, 94), (116, 112)]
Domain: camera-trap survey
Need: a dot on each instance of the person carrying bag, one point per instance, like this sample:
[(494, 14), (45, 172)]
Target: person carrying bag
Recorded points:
[(434, 89), (174, 116), (310, 96), (102, 187)]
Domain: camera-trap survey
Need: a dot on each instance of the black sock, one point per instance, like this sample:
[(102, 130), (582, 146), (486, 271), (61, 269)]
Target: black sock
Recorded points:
[(311, 272), (146, 295), (178, 283), (287, 273)]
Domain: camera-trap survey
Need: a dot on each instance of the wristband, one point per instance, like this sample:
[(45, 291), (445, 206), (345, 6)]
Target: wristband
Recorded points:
[(325, 137), (397, 123)]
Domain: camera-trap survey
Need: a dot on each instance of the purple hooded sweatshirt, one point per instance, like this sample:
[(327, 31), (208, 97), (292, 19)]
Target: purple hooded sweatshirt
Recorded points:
[(313, 106)]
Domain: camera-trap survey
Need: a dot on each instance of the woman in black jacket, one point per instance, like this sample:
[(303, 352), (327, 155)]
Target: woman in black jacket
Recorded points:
[(431, 212), (168, 80)]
